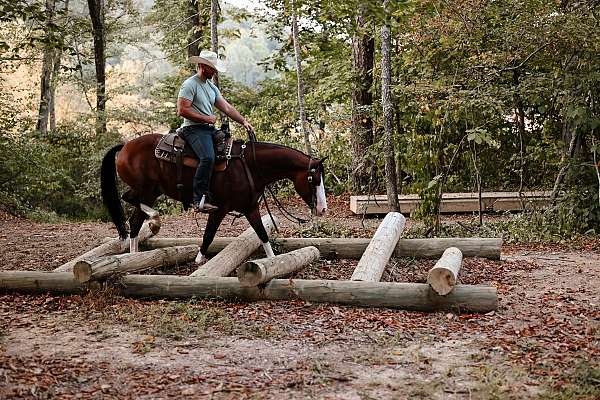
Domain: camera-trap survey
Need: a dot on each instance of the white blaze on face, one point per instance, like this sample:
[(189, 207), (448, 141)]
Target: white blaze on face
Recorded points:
[(321, 199)]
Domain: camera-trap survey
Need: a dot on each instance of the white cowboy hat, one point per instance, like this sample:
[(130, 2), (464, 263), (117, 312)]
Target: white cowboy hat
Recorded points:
[(209, 58)]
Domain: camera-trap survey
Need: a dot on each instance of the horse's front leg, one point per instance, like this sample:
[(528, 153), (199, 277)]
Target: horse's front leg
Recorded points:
[(256, 223), (214, 220)]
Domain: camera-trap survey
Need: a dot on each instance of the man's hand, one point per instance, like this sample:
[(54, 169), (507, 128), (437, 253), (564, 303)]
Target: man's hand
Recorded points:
[(184, 109), (248, 127)]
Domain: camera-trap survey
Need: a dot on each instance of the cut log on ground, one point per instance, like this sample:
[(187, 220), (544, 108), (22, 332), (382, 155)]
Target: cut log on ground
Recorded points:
[(100, 268), (353, 248), (35, 281), (235, 253), (114, 246), (253, 273), (443, 276), (373, 261), (409, 296)]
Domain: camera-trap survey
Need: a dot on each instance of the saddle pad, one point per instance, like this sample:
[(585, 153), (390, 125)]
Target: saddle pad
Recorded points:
[(170, 144)]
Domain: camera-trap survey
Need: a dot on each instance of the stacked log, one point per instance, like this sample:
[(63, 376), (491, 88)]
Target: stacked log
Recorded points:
[(443, 276), (235, 253), (256, 272), (114, 246), (101, 268), (379, 251), (353, 248)]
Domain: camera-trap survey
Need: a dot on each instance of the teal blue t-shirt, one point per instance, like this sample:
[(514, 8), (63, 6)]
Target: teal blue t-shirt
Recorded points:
[(202, 95)]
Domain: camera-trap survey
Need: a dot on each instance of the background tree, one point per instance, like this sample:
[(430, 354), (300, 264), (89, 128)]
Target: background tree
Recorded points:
[(363, 53), (96, 9), (388, 117)]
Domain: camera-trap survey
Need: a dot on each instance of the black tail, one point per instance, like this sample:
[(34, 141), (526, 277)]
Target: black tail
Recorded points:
[(110, 192)]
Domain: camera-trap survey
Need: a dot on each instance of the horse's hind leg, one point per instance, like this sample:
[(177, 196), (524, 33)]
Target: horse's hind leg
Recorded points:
[(256, 222), (214, 221)]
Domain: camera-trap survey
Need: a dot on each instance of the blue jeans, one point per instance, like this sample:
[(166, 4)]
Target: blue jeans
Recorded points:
[(200, 139)]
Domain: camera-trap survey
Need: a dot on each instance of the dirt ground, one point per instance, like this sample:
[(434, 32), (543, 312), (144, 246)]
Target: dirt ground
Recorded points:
[(543, 341)]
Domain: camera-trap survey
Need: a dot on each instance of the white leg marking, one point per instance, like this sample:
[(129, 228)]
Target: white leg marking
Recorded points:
[(268, 250), (151, 212), (133, 245), (154, 222), (201, 258), (321, 198)]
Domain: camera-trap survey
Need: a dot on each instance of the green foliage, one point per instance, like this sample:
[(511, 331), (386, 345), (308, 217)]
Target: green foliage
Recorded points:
[(53, 175)]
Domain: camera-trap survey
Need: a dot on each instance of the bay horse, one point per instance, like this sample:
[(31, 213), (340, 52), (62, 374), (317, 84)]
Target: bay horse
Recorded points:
[(237, 188)]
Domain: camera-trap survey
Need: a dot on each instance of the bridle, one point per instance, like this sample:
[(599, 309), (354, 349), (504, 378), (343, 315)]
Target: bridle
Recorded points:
[(287, 214)]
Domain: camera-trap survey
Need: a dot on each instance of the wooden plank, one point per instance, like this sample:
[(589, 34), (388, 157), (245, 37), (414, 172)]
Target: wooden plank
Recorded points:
[(454, 202), (353, 248)]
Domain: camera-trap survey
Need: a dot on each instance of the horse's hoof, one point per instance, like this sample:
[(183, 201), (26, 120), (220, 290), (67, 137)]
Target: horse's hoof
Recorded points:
[(201, 259)]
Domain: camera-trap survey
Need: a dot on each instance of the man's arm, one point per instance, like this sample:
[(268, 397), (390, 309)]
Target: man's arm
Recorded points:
[(184, 109), (232, 113)]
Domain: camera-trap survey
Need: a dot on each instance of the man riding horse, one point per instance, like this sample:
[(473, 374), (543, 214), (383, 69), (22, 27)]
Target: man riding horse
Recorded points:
[(195, 103)]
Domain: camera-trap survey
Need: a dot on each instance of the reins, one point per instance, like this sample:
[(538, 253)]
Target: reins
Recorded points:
[(287, 215)]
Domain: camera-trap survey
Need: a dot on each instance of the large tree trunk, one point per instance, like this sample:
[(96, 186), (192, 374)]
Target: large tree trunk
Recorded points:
[(46, 76), (301, 109), (363, 49), (54, 80), (388, 115), (96, 8)]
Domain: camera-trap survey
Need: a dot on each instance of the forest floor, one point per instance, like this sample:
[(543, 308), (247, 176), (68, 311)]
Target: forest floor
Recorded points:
[(543, 342)]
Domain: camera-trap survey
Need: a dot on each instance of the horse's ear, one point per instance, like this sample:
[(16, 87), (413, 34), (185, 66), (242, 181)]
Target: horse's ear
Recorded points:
[(322, 160)]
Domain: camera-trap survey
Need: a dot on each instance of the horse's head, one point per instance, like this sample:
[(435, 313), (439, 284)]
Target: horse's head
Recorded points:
[(310, 185)]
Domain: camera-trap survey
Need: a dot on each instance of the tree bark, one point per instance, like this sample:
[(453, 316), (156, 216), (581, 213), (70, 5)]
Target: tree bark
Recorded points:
[(253, 273), (443, 276), (96, 8), (377, 254), (353, 248), (235, 253), (300, 80), (388, 114), (363, 50), (101, 268)]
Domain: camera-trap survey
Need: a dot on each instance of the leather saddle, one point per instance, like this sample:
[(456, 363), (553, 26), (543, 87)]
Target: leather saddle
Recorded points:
[(174, 149)]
